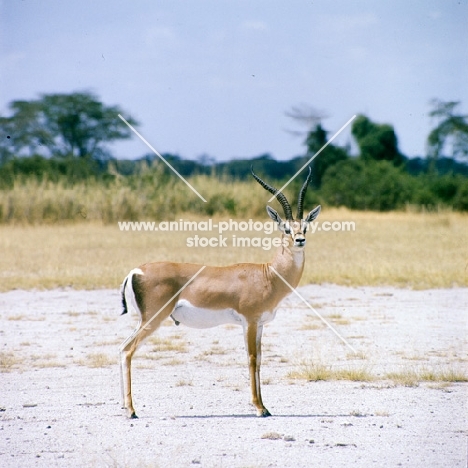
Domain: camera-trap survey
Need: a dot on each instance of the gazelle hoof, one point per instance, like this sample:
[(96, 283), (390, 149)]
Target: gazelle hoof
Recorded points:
[(264, 413), (133, 416)]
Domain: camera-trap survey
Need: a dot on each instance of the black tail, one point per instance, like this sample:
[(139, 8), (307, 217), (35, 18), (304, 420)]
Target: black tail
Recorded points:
[(124, 302)]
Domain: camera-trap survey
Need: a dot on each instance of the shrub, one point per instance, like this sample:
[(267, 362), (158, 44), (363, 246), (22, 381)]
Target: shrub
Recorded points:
[(366, 185)]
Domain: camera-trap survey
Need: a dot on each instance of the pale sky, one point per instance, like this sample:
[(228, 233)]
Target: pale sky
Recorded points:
[(216, 77)]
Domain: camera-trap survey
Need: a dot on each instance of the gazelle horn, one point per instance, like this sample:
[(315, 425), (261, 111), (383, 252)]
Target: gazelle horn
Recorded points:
[(279, 195), (300, 200)]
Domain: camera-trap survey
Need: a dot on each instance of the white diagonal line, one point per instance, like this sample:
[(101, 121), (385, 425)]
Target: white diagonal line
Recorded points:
[(160, 157), (313, 310), (164, 306), (313, 157)]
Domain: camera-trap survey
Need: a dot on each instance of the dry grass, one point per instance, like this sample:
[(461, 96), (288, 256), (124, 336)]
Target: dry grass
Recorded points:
[(315, 371), (312, 326), (412, 377), (44, 363), (184, 383), (29, 318), (272, 436), (113, 342), (167, 344), (173, 362), (409, 376), (16, 318), (401, 249), (151, 196), (219, 351), (97, 360), (9, 361), (359, 355)]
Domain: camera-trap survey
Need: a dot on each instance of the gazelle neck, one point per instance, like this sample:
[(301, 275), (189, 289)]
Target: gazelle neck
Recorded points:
[(289, 263)]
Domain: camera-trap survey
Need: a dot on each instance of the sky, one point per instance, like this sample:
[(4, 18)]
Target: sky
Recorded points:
[(218, 77)]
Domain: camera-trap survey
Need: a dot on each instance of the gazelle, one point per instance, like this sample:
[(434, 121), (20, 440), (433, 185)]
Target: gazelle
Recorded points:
[(202, 297)]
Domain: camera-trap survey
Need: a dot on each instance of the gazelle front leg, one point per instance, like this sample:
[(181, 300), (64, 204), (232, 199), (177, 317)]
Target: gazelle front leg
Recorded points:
[(253, 341)]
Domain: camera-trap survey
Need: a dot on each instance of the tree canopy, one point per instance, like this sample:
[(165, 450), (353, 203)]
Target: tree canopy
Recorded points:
[(450, 133), (376, 141), (63, 138), (63, 125)]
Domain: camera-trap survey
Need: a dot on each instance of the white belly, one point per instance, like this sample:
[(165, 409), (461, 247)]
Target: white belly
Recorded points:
[(267, 317), (197, 317)]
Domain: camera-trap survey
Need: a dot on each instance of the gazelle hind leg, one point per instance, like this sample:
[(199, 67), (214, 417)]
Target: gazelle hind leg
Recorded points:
[(127, 350)]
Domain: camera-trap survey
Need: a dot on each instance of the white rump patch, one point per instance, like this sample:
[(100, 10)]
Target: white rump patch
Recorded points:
[(129, 293), (197, 317)]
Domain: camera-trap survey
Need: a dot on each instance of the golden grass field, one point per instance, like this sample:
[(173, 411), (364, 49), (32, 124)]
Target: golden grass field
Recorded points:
[(404, 249)]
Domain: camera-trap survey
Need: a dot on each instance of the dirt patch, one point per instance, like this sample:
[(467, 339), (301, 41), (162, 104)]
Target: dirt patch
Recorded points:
[(399, 404)]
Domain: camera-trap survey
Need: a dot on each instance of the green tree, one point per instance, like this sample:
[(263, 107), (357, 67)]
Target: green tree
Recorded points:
[(367, 185), (450, 133), (76, 125), (316, 139), (376, 141)]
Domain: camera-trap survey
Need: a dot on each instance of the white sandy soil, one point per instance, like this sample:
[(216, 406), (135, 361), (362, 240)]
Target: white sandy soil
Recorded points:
[(60, 395)]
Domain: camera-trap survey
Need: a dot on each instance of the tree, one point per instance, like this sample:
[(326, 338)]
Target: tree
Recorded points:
[(367, 185), (316, 138), (450, 133), (331, 155), (376, 141), (76, 124)]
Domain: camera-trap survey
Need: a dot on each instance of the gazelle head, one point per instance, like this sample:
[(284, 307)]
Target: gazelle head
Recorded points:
[(294, 229)]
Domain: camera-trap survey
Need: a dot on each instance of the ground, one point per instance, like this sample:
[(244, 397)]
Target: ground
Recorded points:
[(400, 400)]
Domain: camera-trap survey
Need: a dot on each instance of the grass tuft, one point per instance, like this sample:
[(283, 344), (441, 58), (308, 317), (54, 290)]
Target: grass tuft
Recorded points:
[(9, 361), (412, 377), (272, 436), (167, 344), (184, 383), (96, 360), (313, 372), (408, 377)]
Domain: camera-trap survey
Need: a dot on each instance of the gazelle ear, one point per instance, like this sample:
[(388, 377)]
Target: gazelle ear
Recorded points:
[(283, 227), (273, 214), (313, 214)]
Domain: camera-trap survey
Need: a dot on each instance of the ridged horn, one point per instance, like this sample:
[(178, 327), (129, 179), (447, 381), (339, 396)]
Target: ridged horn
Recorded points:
[(279, 195), (300, 200)]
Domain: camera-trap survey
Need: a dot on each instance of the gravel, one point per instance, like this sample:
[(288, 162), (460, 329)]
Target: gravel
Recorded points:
[(60, 396)]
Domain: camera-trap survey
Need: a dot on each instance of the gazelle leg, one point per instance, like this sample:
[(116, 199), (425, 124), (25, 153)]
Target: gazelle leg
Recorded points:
[(128, 348), (253, 340)]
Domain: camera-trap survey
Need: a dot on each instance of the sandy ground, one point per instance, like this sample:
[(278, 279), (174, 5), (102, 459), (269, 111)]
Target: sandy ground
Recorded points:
[(60, 396)]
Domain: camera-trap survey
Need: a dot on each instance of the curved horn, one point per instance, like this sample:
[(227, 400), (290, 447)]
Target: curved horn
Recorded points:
[(279, 195), (302, 193)]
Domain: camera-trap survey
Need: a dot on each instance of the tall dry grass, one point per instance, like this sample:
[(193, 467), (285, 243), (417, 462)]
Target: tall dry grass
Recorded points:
[(401, 249), (57, 235), (153, 196)]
